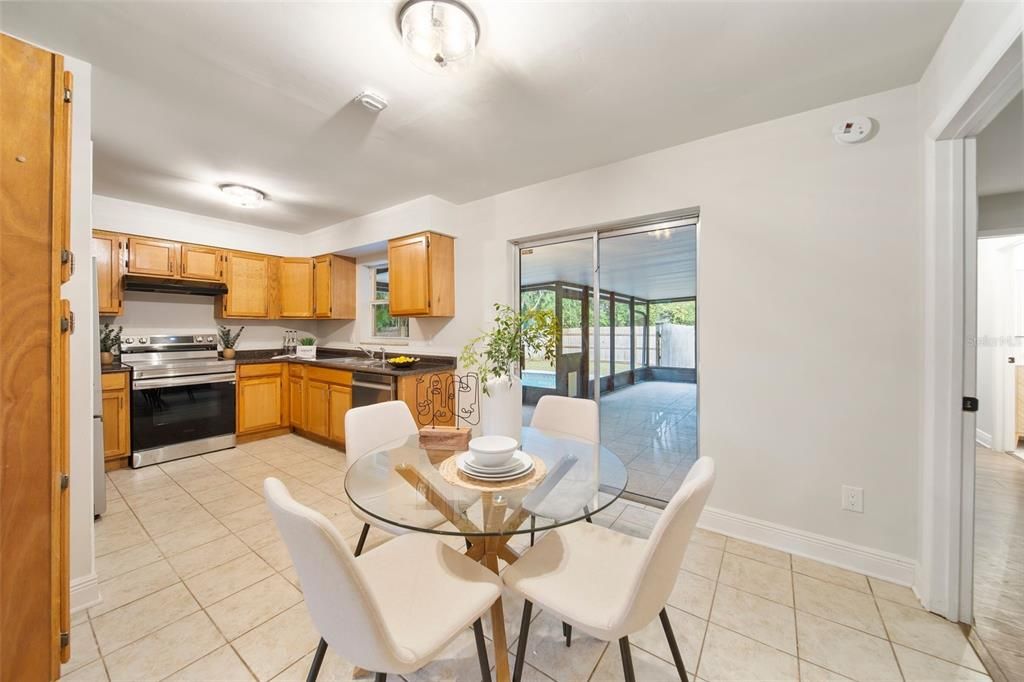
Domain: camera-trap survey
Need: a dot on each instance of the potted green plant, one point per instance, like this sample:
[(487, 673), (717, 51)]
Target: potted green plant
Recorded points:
[(228, 339), (496, 355), (306, 350), (110, 339)]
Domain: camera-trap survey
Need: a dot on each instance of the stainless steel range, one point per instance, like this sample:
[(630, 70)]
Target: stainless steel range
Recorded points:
[(183, 396)]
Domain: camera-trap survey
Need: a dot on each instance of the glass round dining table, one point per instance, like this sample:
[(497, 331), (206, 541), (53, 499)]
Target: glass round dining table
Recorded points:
[(412, 488)]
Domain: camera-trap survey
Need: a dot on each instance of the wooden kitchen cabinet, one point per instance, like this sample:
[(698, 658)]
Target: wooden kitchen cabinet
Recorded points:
[(334, 279), (421, 268), (430, 397), (318, 402), (261, 403), (116, 443), (340, 402), (202, 263), (296, 401), (108, 249), (249, 280), (296, 283), (154, 257)]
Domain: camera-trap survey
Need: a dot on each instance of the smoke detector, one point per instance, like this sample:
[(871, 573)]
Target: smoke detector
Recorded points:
[(853, 130), (372, 101)]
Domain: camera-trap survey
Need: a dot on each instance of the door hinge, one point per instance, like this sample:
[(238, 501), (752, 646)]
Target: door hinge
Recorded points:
[(67, 95), (65, 481), (65, 639), (970, 403), (67, 324)]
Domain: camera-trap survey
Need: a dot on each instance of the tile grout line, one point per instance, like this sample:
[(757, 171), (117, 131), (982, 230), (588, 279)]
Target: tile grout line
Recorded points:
[(885, 626)]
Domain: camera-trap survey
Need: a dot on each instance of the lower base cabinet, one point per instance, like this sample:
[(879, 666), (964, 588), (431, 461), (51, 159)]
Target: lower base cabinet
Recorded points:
[(311, 400), (261, 403), (116, 442)]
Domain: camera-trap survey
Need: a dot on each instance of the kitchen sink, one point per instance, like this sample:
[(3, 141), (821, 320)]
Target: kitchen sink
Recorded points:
[(354, 362)]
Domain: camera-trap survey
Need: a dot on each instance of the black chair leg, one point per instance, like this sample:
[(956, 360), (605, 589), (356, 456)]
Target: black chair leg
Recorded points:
[(380, 677), (524, 632), (362, 539), (533, 525), (586, 514), (318, 659), (627, 660), (567, 633), (481, 651), (673, 645)]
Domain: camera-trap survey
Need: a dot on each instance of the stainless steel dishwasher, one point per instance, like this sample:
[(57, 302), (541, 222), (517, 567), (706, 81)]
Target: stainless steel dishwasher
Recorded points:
[(370, 389)]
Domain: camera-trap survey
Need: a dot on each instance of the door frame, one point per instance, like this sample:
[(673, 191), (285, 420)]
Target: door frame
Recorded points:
[(944, 580)]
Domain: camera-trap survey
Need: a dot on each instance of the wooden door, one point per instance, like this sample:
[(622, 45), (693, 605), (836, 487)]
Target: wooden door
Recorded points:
[(201, 262), (340, 403), (34, 329), (409, 272), (152, 257), (296, 405), (247, 276), (107, 249), (115, 418), (296, 276), (259, 403), (318, 408)]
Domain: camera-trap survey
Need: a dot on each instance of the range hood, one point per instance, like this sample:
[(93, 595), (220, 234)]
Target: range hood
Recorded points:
[(173, 286)]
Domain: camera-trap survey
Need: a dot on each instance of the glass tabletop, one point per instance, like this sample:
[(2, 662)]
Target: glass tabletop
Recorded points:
[(401, 486)]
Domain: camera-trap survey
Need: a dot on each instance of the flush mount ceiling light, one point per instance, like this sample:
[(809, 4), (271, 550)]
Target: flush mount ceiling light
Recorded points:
[(442, 34), (240, 195), (372, 101)]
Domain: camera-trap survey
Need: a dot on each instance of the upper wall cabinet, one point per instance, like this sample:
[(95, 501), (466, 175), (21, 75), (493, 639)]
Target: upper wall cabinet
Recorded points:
[(334, 287), (250, 278), (296, 287), (202, 263), (421, 268), (154, 257), (108, 249)]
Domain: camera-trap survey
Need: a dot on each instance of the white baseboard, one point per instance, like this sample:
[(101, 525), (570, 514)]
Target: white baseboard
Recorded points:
[(984, 439), (865, 560), (85, 592)]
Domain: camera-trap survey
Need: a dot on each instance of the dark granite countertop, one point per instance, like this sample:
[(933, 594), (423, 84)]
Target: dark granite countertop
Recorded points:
[(115, 367), (327, 357)]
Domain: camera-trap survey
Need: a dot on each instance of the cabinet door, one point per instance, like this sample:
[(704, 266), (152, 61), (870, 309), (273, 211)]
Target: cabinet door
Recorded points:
[(322, 286), (152, 257), (340, 403), (115, 423), (201, 262), (106, 248), (296, 287), (259, 404), (409, 272), (247, 276), (318, 408), (296, 404)]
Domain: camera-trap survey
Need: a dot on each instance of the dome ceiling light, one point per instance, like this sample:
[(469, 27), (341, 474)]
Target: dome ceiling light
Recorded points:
[(442, 34), (241, 195)]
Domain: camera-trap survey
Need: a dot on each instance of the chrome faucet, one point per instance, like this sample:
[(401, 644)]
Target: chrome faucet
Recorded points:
[(383, 358)]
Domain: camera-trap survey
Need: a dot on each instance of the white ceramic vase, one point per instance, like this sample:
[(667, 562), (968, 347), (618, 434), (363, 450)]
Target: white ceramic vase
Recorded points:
[(501, 408)]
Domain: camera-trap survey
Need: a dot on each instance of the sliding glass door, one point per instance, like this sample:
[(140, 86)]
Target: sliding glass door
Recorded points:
[(627, 302)]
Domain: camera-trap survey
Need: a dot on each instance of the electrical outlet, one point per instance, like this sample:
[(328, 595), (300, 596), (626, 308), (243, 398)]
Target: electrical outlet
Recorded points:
[(853, 499)]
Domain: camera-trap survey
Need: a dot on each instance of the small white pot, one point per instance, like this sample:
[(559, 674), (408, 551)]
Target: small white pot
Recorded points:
[(501, 408), (305, 352)]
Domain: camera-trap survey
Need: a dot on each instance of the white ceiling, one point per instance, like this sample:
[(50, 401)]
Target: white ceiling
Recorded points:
[(1001, 151), (189, 94), (652, 265)]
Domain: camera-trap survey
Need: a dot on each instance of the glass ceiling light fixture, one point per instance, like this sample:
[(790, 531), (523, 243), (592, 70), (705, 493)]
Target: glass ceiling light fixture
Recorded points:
[(442, 34), (241, 195)]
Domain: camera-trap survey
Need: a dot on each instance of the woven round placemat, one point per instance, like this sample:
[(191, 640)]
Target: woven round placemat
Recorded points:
[(451, 473)]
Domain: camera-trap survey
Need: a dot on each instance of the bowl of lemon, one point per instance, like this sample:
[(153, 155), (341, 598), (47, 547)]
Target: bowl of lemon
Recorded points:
[(402, 361)]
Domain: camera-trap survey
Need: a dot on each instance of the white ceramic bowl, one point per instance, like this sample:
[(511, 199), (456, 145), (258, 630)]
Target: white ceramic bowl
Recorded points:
[(492, 451)]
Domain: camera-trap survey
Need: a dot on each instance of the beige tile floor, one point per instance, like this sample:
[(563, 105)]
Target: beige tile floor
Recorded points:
[(197, 586)]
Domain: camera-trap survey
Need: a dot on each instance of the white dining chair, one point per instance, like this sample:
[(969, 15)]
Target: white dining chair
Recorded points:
[(575, 417), (608, 584), (371, 429), (391, 610)]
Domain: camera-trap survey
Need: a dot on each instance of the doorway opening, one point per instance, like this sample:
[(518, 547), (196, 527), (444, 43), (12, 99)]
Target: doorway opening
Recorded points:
[(626, 299)]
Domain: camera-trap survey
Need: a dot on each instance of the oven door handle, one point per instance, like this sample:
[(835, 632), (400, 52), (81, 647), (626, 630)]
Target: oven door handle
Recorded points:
[(142, 384)]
